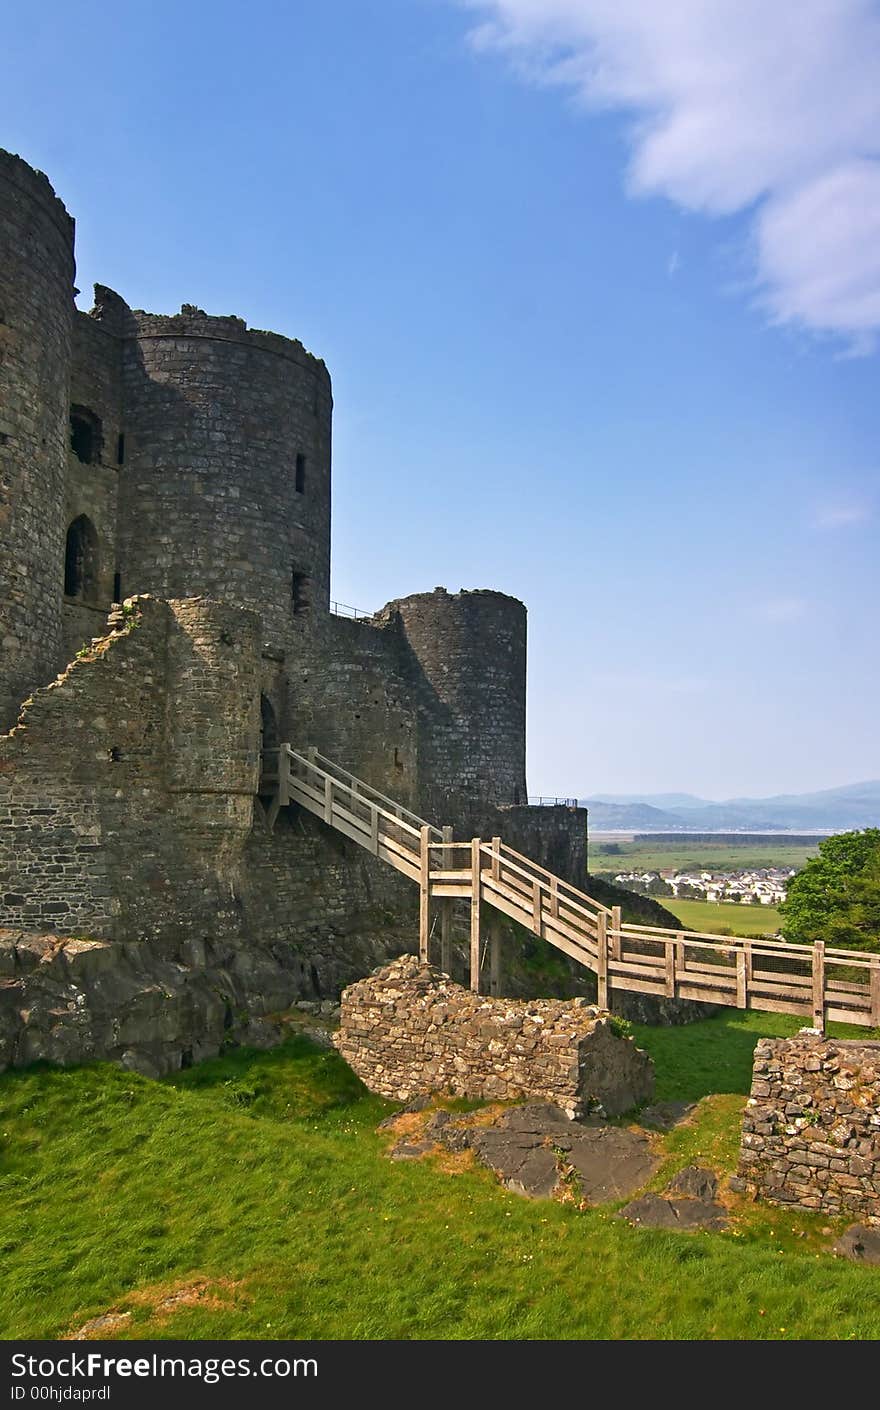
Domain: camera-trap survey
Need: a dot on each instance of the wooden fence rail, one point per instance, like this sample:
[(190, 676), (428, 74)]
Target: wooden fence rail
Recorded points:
[(816, 981)]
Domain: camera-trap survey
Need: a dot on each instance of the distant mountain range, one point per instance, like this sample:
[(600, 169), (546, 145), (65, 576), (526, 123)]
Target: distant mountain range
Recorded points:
[(834, 809)]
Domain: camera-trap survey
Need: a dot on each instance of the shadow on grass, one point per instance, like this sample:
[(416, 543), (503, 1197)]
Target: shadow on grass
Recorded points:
[(295, 1080)]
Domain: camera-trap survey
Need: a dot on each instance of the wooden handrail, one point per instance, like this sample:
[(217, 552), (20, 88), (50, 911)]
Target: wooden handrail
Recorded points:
[(563, 885), (695, 965)]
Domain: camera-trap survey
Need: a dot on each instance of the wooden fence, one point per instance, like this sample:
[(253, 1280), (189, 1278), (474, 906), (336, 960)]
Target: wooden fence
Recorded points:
[(815, 981)]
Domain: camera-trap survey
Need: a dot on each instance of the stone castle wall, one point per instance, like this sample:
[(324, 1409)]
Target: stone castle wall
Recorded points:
[(36, 312), (128, 786), (811, 1130), (468, 653), (217, 419), (409, 1031)]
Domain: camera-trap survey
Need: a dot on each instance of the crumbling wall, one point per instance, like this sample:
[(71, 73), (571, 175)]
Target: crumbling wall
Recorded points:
[(127, 789), (811, 1130), (409, 1031)]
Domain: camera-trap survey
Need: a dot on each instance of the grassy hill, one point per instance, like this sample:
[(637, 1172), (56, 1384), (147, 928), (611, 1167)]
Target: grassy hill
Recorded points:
[(251, 1198)]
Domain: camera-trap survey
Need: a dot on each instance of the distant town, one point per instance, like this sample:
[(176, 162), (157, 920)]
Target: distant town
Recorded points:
[(764, 886)]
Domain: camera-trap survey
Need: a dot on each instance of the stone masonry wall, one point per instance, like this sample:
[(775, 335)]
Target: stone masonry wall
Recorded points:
[(36, 311), (210, 498), (468, 652), (811, 1130), (409, 1031)]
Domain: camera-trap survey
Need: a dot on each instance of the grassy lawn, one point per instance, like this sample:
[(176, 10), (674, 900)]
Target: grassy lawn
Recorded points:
[(250, 1198), (721, 918), (698, 856)]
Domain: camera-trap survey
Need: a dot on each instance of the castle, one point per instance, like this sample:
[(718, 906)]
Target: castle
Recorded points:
[(165, 493)]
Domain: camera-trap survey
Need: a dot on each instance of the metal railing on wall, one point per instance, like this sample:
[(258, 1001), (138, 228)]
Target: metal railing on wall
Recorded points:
[(342, 609), (542, 800)]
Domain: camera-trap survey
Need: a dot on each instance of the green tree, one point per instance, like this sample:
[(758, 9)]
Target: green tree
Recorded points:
[(836, 897)]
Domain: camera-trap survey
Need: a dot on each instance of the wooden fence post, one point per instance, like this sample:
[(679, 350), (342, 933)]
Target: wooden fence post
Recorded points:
[(742, 980), (283, 775), (424, 894), (374, 829), (602, 961), (615, 925), (669, 985), (819, 985), (475, 914), (495, 956), (496, 858), (554, 897), (875, 993), (446, 910), (328, 799)]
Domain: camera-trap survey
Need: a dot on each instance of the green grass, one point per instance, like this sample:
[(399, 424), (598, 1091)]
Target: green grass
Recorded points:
[(722, 917), (261, 1176), (703, 856)]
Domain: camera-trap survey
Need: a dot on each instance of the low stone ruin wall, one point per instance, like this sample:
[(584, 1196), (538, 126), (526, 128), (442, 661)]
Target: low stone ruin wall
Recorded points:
[(408, 1031), (811, 1131)]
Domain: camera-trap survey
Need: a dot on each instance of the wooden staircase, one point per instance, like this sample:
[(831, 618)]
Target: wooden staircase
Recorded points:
[(811, 980)]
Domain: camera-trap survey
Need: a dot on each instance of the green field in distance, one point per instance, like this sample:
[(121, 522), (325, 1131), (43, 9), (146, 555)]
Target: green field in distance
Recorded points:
[(718, 917), (684, 855)]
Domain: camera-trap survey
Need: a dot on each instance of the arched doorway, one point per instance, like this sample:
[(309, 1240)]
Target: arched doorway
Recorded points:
[(81, 560), (268, 741)]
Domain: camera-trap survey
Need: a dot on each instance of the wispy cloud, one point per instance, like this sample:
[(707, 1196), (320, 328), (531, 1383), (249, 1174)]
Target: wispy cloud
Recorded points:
[(783, 609), (673, 264), (738, 106)]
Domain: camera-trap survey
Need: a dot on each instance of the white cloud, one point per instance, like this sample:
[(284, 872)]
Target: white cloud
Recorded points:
[(673, 264), (737, 104)]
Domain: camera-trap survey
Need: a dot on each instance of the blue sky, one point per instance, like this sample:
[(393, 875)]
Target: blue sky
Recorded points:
[(586, 348)]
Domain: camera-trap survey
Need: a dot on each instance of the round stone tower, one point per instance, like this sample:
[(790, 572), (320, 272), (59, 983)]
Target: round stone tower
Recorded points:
[(225, 486), (36, 316), (471, 649)]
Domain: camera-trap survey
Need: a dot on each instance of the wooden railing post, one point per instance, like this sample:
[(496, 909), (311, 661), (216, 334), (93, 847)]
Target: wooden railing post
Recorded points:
[(283, 775), (328, 799), (819, 985), (496, 858), (446, 909), (374, 829), (495, 956), (475, 914), (742, 979), (680, 952), (874, 981), (554, 898), (615, 926), (602, 960), (669, 985), (424, 894)]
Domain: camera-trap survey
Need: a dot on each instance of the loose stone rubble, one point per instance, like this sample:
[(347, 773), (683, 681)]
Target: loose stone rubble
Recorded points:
[(408, 1030)]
